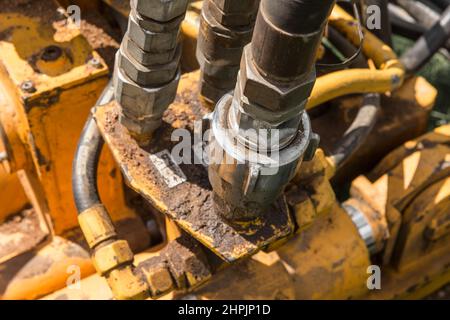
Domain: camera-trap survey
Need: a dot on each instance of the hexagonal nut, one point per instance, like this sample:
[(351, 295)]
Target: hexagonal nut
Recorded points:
[(219, 42), (138, 101), (273, 97), (111, 256), (210, 93), (225, 84), (151, 41), (147, 76), (255, 111), (142, 129), (148, 58), (157, 26), (232, 19), (160, 10), (237, 6), (187, 263), (220, 70), (158, 277), (125, 284)]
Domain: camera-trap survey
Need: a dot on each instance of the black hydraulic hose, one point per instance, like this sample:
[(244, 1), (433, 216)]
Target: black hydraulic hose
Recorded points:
[(427, 45), (367, 114), (359, 130), (442, 3), (85, 164), (430, 4), (409, 28), (297, 16), (403, 24), (425, 15), (286, 30)]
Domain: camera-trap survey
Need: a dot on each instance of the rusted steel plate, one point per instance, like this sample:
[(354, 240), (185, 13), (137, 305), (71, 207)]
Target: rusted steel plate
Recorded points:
[(189, 203)]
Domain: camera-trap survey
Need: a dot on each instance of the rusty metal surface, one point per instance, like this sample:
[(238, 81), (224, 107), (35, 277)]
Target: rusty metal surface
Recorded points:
[(190, 204)]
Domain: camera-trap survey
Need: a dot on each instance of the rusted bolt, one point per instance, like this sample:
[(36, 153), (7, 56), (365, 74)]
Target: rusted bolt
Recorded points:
[(28, 86), (51, 53), (96, 63)]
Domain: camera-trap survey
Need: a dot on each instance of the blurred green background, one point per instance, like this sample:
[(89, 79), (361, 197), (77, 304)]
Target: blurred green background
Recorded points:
[(437, 72)]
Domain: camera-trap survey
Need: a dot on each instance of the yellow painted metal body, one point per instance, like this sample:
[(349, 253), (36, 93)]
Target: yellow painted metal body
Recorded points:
[(41, 130), (407, 198)]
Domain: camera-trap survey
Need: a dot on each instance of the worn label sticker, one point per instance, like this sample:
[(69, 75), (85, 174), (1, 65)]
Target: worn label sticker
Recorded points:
[(167, 167)]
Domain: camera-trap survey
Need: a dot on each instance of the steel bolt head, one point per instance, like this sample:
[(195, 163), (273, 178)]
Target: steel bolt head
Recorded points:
[(28, 86), (160, 10), (138, 101), (148, 76)]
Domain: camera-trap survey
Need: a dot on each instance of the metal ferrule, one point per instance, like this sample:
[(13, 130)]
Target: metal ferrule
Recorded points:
[(247, 180)]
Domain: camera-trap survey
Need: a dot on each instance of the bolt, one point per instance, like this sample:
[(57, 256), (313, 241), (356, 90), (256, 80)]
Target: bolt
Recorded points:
[(28, 86), (96, 63)]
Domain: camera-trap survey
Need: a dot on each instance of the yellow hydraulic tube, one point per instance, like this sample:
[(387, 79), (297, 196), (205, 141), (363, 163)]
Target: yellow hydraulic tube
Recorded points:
[(388, 76)]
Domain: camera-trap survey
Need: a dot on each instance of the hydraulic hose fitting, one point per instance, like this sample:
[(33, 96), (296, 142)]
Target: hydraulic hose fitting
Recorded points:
[(226, 26), (146, 72), (262, 132)]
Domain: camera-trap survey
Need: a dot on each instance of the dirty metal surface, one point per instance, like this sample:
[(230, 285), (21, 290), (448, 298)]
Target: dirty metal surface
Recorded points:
[(188, 203), (20, 233)]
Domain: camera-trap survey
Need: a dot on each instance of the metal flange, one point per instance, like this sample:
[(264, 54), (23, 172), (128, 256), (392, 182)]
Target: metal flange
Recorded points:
[(187, 198)]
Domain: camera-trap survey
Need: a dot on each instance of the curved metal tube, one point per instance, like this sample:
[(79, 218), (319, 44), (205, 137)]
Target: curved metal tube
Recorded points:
[(367, 115), (389, 75)]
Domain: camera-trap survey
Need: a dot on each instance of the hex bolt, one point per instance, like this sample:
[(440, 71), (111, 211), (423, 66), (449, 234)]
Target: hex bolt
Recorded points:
[(95, 62), (28, 86)]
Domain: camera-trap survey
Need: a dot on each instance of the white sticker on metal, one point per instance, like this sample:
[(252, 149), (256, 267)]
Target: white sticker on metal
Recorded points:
[(167, 167)]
